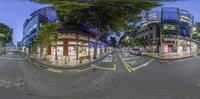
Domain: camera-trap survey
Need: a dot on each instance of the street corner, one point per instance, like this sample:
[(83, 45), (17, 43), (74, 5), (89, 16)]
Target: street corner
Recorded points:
[(107, 63)]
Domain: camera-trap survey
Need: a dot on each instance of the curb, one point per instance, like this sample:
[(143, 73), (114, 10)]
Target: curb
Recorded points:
[(167, 58), (47, 66)]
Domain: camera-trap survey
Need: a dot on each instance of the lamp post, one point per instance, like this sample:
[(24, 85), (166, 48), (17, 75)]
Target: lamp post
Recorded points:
[(192, 30)]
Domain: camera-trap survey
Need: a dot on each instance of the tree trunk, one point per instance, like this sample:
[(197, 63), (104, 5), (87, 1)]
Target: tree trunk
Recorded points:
[(4, 48), (56, 45), (96, 44), (41, 51), (77, 52), (101, 50), (56, 54)]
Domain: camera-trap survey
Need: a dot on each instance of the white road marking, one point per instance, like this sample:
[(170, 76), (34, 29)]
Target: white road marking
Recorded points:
[(54, 70), (17, 59), (180, 60), (81, 70), (7, 83), (131, 58), (108, 59), (133, 62), (10, 53), (112, 69), (143, 65)]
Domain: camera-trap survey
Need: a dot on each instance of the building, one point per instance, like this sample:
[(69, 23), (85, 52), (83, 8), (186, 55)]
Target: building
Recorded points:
[(32, 24), (166, 31), (19, 45), (74, 41)]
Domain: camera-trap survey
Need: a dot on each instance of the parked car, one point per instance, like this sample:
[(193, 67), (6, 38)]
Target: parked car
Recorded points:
[(135, 51)]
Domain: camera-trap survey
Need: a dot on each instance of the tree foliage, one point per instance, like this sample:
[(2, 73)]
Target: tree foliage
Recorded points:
[(113, 42), (47, 35), (196, 33), (137, 42), (5, 34), (104, 16)]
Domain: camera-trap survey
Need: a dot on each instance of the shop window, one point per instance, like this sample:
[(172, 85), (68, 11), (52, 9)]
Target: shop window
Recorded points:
[(151, 35)]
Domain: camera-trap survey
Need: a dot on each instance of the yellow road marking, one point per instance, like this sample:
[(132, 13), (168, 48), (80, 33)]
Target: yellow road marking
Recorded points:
[(83, 69), (128, 67)]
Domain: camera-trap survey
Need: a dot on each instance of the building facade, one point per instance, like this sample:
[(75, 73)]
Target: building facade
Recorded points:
[(74, 41), (31, 26), (166, 31)]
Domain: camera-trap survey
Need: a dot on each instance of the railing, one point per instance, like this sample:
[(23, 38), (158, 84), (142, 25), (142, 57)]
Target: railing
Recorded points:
[(175, 37)]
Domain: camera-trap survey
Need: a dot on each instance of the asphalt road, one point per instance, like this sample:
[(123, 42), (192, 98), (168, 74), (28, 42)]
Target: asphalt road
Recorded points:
[(117, 76)]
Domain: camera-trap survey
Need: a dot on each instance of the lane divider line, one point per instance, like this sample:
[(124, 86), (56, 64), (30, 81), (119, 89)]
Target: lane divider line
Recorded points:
[(125, 64)]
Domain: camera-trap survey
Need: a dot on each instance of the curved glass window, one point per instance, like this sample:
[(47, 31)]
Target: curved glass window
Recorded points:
[(170, 14)]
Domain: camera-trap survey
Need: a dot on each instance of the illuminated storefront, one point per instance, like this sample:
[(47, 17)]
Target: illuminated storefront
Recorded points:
[(166, 31), (76, 43)]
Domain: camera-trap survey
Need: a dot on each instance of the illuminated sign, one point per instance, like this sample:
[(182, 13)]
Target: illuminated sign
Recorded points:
[(169, 27), (166, 48)]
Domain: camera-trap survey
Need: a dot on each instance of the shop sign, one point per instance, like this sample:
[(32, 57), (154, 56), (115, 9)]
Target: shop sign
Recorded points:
[(166, 48)]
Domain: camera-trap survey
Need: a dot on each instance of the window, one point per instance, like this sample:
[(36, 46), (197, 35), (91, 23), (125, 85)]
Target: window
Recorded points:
[(170, 14), (151, 35), (151, 28)]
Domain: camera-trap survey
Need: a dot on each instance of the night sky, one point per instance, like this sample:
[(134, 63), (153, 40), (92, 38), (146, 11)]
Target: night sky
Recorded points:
[(14, 12)]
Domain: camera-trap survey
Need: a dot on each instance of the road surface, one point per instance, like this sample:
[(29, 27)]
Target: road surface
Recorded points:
[(117, 76)]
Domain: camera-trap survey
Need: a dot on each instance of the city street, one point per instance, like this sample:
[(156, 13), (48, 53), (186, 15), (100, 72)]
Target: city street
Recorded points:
[(99, 49), (117, 76)]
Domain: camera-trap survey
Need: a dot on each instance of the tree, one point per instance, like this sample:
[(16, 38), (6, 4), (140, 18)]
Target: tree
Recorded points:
[(5, 35), (47, 36), (113, 42), (137, 42), (196, 33), (101, 15)]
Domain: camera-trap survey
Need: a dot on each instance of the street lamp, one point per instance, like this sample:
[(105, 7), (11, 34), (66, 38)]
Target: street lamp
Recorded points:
[(127, 38), (194, 29)]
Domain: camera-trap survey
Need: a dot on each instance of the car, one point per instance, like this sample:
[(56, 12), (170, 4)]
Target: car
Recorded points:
[(135, 51)]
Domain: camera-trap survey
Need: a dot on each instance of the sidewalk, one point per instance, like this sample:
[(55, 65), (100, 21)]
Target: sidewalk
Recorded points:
[(168, 57), (60, 64)]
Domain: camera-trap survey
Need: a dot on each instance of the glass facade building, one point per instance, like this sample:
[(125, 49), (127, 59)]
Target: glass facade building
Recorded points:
[(170, 27), (75, 41), (32, 24)]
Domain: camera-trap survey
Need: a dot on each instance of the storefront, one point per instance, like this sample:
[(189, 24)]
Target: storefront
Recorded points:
[(74, 48)]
